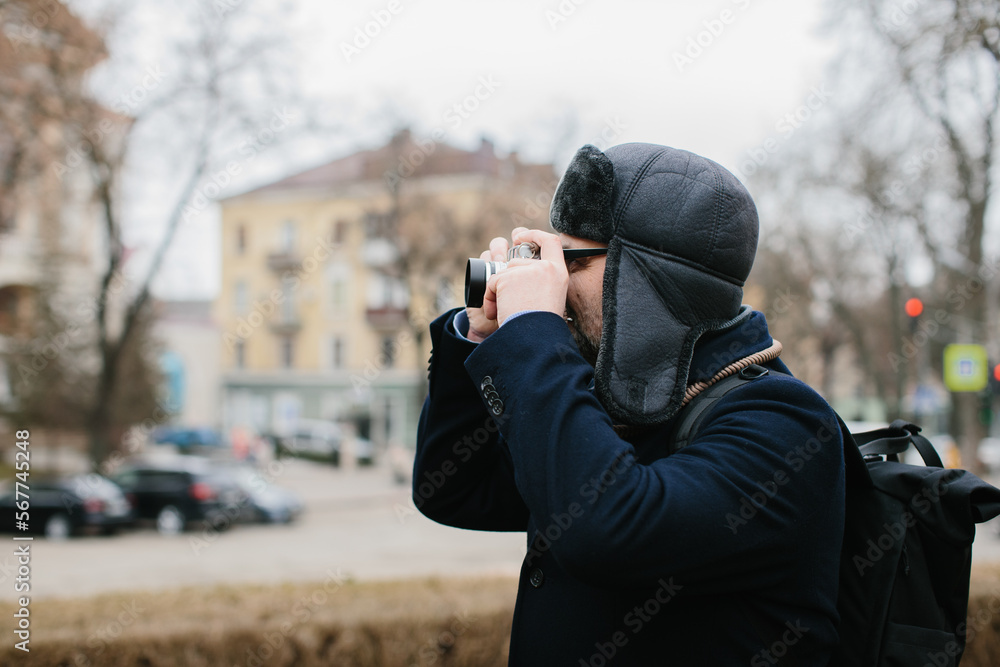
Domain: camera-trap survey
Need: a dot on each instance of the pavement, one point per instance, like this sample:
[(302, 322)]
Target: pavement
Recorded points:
[(358, 523)]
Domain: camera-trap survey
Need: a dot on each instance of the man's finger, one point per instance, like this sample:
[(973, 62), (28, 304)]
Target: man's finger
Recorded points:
[(550, 245), (498, 249), (490, 298)]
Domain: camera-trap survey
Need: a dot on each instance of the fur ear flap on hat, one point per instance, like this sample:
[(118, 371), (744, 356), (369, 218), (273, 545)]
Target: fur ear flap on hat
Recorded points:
[(582, 205)]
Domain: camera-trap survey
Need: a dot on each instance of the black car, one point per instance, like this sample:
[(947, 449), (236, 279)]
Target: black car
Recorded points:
[(179, 492), (66, 506)]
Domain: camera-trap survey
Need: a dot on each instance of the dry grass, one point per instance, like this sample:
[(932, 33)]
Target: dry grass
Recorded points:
[(454, 623), (423, 622)]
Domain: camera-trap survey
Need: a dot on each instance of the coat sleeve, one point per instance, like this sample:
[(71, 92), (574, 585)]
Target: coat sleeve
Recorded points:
[(462, 474), (759, 483)]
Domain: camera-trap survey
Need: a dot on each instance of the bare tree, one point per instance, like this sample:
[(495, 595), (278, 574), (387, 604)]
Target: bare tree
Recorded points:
[(902, 172), (944, 59), (190, 121)]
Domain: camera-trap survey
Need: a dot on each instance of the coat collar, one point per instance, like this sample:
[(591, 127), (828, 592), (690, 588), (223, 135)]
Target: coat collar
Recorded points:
[(714, 351)]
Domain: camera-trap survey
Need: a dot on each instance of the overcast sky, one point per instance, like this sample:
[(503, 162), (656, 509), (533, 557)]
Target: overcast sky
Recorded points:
[(543, 78)]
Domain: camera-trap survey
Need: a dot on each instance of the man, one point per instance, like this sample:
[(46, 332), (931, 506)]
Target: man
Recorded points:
[(551, 408)]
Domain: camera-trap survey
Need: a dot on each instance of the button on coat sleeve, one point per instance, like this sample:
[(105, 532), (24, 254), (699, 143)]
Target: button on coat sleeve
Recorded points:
[(462, 473)]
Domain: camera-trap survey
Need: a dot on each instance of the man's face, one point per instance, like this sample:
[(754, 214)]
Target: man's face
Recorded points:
[(584, 297)]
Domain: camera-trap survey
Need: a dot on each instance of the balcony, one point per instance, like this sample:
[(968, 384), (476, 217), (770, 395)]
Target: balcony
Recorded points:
[(387, 317), (286, 260), (379, 252), (285, 326)]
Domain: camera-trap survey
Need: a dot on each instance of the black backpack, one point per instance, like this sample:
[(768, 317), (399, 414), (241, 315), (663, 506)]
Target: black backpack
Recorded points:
[(907, 550)]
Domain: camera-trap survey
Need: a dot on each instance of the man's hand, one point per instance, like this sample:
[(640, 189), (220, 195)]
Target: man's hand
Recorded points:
[(529, 284), (483, 321)]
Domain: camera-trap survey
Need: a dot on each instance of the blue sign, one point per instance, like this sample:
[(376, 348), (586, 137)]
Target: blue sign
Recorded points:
[(172, 367)]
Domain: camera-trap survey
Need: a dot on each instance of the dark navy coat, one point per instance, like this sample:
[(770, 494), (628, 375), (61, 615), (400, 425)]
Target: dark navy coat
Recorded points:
[(725, 553)]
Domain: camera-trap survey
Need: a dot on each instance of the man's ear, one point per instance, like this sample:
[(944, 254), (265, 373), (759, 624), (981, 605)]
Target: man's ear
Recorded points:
[(582, 202)]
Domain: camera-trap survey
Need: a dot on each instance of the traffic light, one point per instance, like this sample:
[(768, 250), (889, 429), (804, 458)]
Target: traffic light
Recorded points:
[(914, 307)]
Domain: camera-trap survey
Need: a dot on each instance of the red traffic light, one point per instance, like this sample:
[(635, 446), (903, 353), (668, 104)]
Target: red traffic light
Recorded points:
[(914, 307), (996, 372)]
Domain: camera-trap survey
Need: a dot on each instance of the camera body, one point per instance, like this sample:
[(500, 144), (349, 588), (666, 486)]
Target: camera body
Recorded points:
[(479, 271)]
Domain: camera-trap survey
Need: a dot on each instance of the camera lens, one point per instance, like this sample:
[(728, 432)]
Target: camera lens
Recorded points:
[(476, 275)]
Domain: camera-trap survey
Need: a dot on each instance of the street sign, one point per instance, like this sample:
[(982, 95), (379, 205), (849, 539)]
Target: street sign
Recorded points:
[(965, 367)]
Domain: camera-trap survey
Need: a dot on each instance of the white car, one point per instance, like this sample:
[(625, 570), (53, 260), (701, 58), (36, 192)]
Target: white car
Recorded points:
[(315, 438)]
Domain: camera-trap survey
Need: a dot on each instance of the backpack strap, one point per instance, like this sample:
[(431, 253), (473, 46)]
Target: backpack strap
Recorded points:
[(896, 439), (698, 407)]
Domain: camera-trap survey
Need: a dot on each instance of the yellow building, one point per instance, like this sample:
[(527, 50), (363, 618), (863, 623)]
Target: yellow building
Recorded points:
[(331, 276)]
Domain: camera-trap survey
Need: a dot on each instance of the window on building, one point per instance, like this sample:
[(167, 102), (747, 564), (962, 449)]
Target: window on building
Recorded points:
[(288, 236), (241, 297), (241, 239), (378, 225), (340, 230), (337, 352), (388, 351), (287, 304), (338, 293), (240, 351), (287, 352)]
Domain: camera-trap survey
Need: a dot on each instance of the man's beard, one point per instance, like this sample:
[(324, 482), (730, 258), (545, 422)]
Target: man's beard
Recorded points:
[(578, 328)]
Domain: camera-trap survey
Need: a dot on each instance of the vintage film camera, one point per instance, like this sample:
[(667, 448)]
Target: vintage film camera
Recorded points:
[(478, 272)]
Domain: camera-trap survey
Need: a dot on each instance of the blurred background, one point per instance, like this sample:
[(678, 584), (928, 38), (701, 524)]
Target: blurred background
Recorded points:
[(225, 226)]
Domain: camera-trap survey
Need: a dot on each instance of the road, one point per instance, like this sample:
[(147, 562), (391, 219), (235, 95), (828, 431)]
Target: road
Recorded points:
[(358, 523)]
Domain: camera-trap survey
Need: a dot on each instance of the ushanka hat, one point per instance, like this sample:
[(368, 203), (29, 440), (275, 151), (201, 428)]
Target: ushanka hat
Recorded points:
[(681, 233)]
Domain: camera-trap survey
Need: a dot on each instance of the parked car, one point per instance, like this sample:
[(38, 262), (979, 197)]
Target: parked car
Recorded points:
[(313, 439), (66, 506), (177, 492), (262, 501), (189, 440)]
